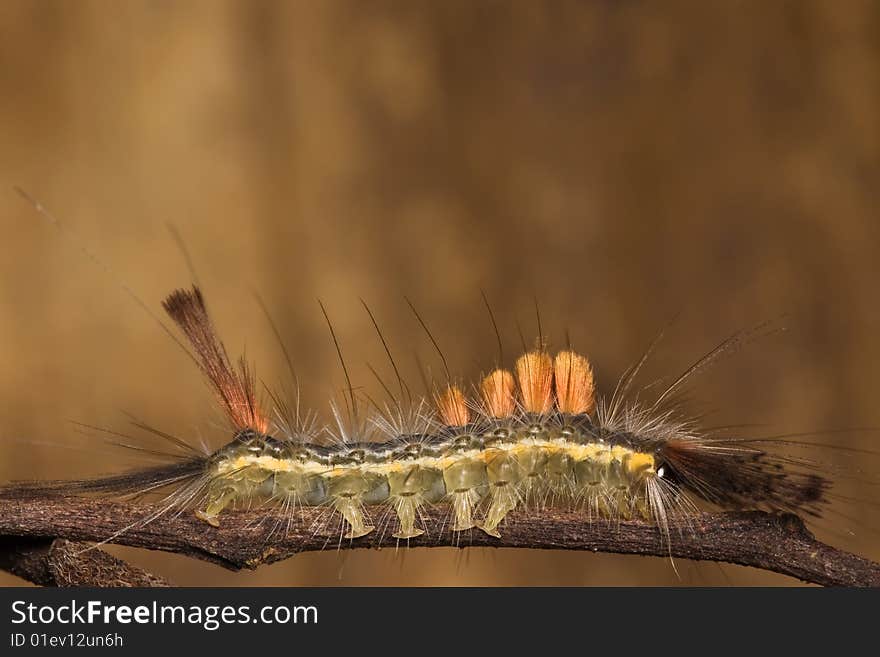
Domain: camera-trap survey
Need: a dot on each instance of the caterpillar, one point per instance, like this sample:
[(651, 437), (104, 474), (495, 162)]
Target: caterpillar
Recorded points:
[(532, 437)]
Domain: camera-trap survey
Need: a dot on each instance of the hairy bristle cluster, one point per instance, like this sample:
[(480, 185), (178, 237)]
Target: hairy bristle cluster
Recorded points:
[(573, 378), (498, 390), (453, 407), (234, 388), (534, 371)]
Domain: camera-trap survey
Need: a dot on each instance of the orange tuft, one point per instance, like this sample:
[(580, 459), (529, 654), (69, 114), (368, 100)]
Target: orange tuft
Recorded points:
[(535, 373), (575, 393), (498, 390), (452, 406), (235, 389)]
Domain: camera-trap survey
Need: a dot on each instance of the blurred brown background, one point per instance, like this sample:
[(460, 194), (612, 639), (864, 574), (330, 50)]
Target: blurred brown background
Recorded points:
[(621, 162)]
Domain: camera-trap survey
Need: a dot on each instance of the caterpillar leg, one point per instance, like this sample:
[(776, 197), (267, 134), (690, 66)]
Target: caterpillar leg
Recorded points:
[(351, 491), (407, 508), (504, 499), (351, 510), (243, 484), (466, 483), (533, 463), (217, 501), (463, 504), (560, 481), (409, 489), (615, 483), (504, 473)]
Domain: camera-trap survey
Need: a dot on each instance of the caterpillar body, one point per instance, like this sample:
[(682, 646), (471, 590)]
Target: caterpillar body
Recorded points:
[(532, 438)]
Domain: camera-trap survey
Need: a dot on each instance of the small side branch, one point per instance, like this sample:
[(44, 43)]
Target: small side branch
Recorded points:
[(778, 543), (59, 562)]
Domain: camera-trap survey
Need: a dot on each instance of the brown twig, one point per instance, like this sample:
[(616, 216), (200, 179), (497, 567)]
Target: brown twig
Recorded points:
[(59, 562), (778, 543)]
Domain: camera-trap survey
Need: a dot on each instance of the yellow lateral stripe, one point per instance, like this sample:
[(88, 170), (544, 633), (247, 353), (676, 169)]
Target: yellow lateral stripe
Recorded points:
[(633, 461)]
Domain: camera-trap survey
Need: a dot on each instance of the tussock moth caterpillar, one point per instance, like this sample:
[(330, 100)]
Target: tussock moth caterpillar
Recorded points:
[(534, 436)]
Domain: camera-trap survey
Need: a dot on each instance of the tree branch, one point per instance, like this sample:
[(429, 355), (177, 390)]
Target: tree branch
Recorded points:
[(778, 543), (59, 562)]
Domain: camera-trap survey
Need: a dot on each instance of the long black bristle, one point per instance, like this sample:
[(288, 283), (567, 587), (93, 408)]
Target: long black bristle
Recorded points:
[(126, 483)]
